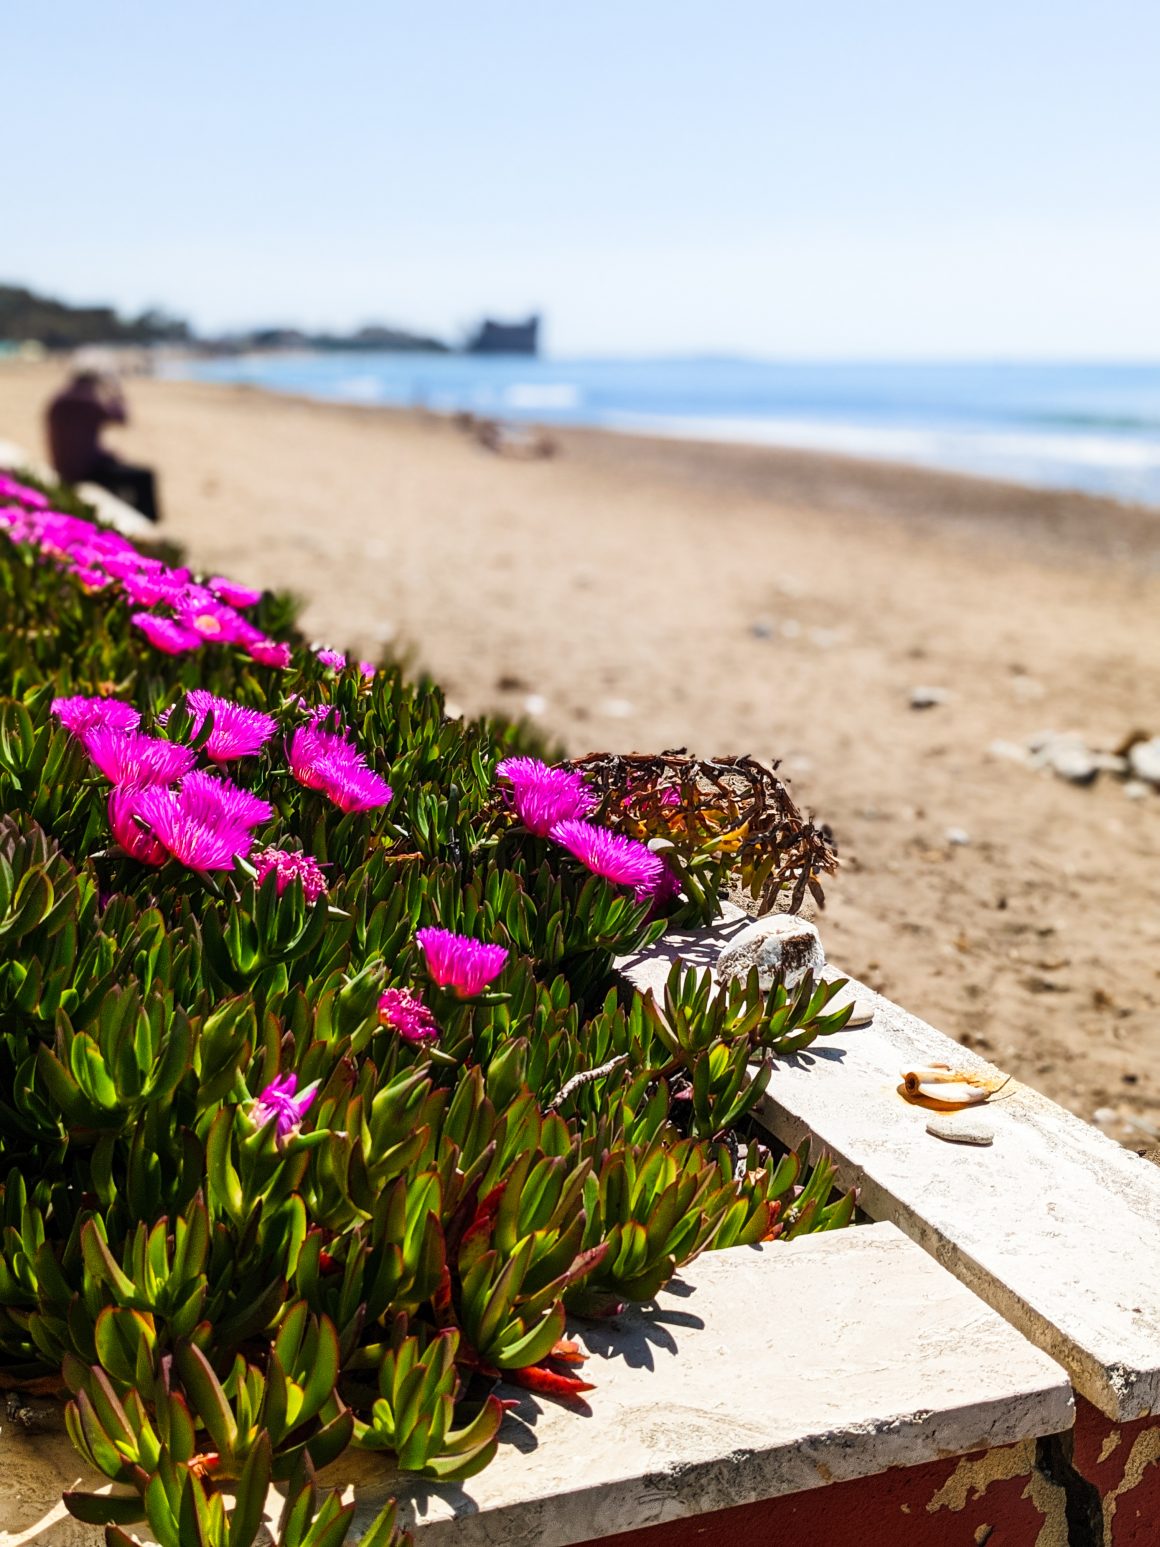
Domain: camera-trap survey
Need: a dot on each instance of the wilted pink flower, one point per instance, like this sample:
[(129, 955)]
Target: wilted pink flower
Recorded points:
[(128, 757), (613, 856), (79, 714), (290, 866), (166, 633), (459, 963), (269, 652), (200, 841), (406, 1013), (278, 1102), (220, 803), (323, 760), (332, 658), (543, 796), (136, 840), (237, 731), (233, 593)]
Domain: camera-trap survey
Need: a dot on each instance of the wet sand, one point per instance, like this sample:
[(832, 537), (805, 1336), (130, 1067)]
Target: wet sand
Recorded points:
[(636, 593)]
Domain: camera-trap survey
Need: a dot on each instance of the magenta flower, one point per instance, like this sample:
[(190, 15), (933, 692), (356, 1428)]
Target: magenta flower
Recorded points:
[(79, 714), (166, 633), (406, 1013), (543, 796), (459, 963), (367, 670), (357, 788), (32, 498), (124, 818), (128, 757), (611, 855), (233, 593), (218, 802), (279, 1103), (202, 613), (323, 760), (269, 652), (332, 658), (198, 840), (290, 866), (237, 731)]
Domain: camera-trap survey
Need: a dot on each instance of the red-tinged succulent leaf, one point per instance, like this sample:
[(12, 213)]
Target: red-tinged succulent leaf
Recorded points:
[(548, 1383)]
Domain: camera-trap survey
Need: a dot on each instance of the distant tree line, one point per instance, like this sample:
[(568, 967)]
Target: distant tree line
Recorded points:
[(26, 316)]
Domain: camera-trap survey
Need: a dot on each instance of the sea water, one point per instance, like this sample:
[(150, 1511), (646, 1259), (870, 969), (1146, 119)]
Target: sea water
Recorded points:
[(1090, 427)]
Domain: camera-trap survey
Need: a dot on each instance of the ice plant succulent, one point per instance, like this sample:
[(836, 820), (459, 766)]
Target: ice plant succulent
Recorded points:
[(79, 714), (624, 861), (130, 757), (324, 760), (198, 838), (125, 820), (332, 658), (289, 866), (406, 1013), (221, 802), (458, 963), (543, 796), (236, 730), (167, 634), (283, 1103)]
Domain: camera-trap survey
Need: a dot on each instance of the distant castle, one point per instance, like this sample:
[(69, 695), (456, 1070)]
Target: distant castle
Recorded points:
[(505, 338)]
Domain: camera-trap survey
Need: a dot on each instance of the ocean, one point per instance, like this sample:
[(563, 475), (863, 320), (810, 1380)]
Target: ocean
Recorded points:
[(1089, 427)]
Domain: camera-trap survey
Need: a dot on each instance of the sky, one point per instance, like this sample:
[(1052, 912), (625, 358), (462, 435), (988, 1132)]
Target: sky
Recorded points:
[(903, 179)]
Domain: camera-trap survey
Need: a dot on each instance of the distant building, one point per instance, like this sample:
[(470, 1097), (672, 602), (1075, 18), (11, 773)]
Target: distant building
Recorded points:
[(506, 338)]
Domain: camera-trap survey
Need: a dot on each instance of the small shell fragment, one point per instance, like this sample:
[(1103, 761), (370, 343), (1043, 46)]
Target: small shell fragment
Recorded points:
[(944, 1088)]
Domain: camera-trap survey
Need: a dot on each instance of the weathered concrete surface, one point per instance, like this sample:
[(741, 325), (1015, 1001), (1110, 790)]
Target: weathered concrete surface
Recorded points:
[(767, 1371), (1054, 1225)]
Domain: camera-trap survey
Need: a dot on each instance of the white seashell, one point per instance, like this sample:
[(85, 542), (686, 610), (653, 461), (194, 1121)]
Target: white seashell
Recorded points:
[(952, 1093)]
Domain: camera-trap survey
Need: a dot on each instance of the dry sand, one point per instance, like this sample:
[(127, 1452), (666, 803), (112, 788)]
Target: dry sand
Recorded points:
[(647, 594)]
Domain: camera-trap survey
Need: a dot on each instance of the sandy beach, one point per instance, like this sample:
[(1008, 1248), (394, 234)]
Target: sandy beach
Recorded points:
[(633, 593)]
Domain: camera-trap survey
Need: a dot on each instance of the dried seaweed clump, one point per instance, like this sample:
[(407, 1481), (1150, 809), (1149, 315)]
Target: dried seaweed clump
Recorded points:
[(723, 816)]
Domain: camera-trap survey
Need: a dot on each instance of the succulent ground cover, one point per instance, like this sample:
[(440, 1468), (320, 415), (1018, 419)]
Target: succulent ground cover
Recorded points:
[(320, 1103)]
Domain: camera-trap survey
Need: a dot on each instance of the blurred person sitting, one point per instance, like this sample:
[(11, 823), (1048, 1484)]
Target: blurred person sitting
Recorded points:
[(76, 416)]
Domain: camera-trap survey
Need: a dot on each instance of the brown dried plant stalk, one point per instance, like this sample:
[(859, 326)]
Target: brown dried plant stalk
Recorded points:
[(729, 809)]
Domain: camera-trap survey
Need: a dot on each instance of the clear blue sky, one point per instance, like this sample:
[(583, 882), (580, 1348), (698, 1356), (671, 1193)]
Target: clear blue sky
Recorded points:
[(901, 178)]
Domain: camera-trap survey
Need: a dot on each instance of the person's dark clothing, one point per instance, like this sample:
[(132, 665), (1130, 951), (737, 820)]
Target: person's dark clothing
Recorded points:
[(135, 485), (76, 417)]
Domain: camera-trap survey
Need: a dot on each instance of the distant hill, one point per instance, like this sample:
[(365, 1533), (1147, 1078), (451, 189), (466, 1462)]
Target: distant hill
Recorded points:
[(373, 336), (26, 316)]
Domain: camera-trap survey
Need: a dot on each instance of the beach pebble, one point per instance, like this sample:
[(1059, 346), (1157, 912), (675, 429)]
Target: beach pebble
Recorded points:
[(1066, 754), (957, 836), (761, 628), (958, 1129), (1026, 688), (779, 943), (1008, 751), (927, 697), (535, 704), (1135, 789), (1144, 758), (616, 708)]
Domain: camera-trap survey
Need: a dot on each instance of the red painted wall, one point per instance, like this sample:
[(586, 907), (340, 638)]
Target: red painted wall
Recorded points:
[(1123, 1461), (893, 1509)]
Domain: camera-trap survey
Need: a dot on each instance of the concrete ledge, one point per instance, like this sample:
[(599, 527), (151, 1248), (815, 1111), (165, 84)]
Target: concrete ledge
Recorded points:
[(763, 1371), (1054, 1225)]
